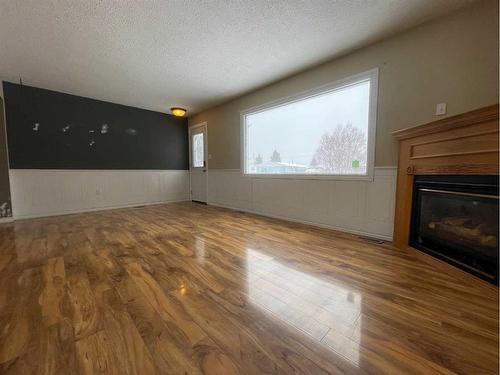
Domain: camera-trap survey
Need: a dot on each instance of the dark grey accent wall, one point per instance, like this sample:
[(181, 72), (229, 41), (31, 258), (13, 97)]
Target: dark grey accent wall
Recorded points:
[(52, 130), (5, 203)]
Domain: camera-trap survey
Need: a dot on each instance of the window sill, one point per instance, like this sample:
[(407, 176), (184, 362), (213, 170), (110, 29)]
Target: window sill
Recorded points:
[(366, 177)]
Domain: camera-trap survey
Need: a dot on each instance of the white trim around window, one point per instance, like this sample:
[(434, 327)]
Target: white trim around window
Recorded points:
[(371, 75)]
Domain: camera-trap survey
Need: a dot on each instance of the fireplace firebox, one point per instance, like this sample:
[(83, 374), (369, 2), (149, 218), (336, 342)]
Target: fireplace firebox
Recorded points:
[(455, 218)]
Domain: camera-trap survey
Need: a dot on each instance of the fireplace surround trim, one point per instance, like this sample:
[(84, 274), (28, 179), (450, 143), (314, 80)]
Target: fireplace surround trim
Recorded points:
[(466, 144)]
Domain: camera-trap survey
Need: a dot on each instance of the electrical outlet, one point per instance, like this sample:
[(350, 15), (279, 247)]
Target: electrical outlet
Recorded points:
[(440, 109)]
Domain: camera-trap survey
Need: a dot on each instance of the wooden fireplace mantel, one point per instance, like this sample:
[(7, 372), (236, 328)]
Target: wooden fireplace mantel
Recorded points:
[(459, 145)]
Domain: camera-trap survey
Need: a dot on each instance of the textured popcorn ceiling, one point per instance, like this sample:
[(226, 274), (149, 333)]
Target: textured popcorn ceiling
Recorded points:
[(157, 54)]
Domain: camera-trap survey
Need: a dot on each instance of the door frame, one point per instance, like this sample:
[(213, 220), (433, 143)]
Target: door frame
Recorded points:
[(203, 124)]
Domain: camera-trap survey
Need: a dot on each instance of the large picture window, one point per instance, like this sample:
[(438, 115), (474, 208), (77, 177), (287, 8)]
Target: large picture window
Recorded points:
[(326, 132)]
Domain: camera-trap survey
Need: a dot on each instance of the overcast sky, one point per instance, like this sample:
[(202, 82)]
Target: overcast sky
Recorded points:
[(294, 130)]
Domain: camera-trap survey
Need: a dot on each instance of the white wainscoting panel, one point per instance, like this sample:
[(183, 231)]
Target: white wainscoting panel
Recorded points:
[(38, 192), (361, 207)]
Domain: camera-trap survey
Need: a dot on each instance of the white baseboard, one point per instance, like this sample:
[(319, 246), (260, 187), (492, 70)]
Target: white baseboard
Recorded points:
[(325, 226), (72, 212)]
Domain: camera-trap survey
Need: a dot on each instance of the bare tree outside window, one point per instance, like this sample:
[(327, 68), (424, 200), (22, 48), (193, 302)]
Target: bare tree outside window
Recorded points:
[(276, 157), (341, 151)]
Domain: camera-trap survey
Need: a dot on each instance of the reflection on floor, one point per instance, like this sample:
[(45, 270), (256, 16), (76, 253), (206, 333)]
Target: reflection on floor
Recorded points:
[(328, 313), (191, 289)]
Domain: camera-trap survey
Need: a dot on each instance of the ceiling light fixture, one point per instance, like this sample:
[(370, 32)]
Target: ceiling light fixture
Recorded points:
[(178, 111)]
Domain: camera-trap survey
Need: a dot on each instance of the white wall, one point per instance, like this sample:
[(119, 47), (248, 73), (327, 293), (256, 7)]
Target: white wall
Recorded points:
[(37, 193), (362, 207)]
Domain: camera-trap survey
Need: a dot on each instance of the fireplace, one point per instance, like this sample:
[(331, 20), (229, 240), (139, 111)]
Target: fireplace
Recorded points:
[(455, 218), (454, 228)]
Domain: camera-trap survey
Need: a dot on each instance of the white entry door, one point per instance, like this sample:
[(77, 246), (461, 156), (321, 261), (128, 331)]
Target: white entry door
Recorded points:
[(198, 162)]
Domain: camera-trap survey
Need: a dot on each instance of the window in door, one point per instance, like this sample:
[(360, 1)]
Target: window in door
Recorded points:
[(198, 151)]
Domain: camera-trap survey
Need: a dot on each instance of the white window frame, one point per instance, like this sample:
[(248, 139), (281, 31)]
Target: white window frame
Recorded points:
[(371, 75)]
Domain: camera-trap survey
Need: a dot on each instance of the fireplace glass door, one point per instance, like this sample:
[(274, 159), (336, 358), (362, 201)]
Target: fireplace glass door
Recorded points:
[(458, 223)]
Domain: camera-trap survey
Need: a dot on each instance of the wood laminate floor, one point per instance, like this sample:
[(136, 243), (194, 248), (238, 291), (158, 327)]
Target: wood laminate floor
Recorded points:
[(190, 289)]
